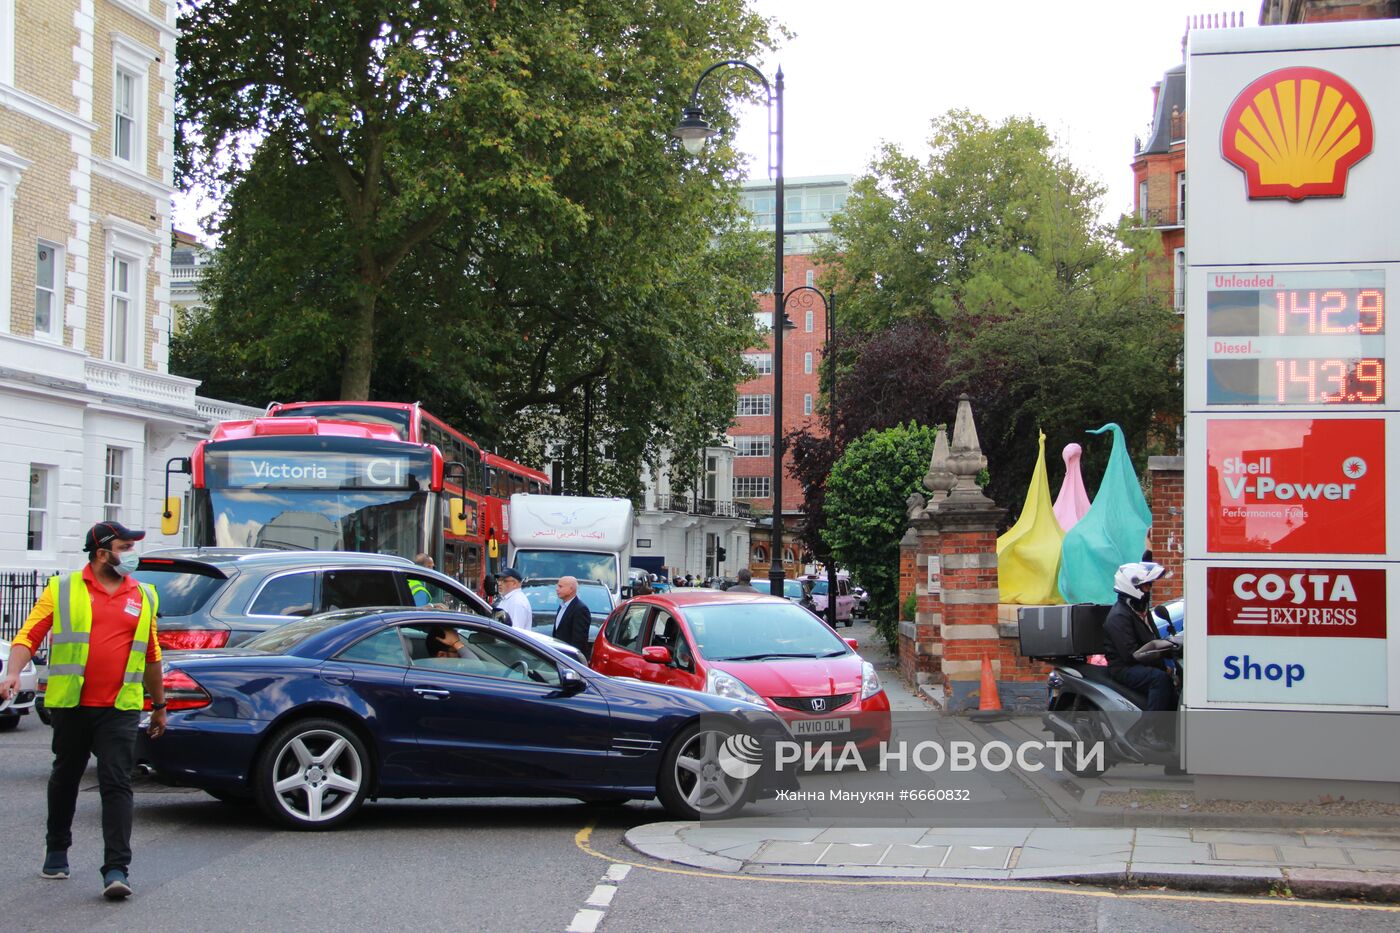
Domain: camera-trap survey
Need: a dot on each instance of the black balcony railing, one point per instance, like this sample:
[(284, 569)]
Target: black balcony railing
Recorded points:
[(689, 504), (1159, 217)]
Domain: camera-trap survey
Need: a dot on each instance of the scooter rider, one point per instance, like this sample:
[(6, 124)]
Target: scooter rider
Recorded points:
[(1126, 629)]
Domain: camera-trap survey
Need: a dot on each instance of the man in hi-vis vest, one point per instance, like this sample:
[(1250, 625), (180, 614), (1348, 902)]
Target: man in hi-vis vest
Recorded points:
[(102, 653)]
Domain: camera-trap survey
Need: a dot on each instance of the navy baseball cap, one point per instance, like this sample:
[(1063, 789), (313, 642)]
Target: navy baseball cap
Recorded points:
[(104, 533), (510, 572)]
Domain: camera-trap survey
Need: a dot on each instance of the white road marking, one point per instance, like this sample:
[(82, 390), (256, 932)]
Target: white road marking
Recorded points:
[(591, 915)]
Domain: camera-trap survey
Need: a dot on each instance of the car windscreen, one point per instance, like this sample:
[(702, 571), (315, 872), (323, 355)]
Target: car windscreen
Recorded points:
[(753, 632), (791, 588), (820, 588), (283, 638), (182, 590), (543, 598), (584, 565)]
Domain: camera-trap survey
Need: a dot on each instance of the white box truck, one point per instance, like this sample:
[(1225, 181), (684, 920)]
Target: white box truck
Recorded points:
[(588, 538)]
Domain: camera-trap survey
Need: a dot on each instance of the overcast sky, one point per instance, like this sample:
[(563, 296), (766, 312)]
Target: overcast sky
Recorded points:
[(859, 72)]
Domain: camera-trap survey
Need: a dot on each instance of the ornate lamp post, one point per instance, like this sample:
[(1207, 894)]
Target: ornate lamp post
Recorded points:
[(692, 131), (828, 300)]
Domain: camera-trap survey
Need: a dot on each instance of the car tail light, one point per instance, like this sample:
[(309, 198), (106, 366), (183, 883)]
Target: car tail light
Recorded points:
[(182, 692), (193, 638)]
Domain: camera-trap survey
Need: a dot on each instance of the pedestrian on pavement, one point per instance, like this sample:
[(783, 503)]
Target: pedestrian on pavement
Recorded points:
[(572, 619), (104, 650), (745, 584), (513, 602)]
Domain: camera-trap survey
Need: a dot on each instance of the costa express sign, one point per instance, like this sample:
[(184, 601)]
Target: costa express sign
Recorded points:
[(1296, 636), (1296, 486), (1296, 133)]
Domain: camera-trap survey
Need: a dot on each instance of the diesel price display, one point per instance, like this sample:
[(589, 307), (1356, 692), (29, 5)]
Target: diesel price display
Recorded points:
[(1296, 338)]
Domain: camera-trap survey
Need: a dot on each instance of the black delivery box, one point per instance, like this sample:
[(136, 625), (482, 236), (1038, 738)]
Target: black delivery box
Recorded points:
[(1062, 631)]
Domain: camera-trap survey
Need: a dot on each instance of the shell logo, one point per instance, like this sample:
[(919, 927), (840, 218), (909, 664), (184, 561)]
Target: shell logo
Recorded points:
[(1295, 133)]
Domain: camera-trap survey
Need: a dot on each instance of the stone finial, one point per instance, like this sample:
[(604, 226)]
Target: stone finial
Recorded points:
[(966, 459), (939, 479)]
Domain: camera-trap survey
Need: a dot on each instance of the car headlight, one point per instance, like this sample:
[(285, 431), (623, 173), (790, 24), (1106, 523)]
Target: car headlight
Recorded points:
[(869, 680), (727, 685)]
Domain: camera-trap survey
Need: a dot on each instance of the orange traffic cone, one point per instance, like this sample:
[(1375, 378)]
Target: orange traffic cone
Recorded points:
[(989, 702)]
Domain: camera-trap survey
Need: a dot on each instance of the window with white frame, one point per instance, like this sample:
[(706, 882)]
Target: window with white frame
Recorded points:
[(753, 446), (114, 485), (807, 363), (122, 319), (41, 490), (48, 291), (810, 321), (7, 42), (811, 276), (131, 62), (1181, 197), (1179, 280), (807, 404), (761, 363), (763, 320), (12, 166), (1142, 200), (752, 487), (755, 405)]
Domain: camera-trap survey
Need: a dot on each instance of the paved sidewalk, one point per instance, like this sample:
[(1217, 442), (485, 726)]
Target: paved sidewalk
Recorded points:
[(1304, 864)]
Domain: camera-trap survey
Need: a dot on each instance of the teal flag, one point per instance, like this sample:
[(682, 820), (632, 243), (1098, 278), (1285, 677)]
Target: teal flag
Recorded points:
[(1114, 532)]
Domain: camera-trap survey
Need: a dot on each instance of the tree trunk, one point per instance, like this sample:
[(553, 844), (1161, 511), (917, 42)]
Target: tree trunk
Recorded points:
[(359, 349)]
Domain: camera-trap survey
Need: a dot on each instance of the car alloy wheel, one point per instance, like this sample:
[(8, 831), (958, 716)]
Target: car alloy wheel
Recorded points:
[(696, 783), (313, 775)]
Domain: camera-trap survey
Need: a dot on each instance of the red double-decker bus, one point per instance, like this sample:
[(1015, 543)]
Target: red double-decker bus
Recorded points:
[(359, 476), (504, 478)]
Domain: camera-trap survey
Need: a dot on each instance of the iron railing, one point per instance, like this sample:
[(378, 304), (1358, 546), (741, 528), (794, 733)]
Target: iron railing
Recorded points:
[(19, 591)]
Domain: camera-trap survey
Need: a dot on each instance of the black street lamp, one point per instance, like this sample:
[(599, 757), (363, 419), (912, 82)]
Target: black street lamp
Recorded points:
[(692, 131)]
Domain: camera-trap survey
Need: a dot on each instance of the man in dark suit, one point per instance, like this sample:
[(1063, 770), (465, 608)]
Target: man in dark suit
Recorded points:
[(572, 620)]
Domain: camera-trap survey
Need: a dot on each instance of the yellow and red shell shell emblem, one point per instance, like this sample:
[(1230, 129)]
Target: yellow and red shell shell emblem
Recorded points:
[(1295, 133)]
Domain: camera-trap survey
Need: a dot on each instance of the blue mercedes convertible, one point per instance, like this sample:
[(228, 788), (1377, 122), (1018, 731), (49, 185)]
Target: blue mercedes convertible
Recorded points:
[(315, 717)]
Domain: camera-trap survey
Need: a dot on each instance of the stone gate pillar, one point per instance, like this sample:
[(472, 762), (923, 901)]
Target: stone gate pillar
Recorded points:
[(920, 644), (967, 548)]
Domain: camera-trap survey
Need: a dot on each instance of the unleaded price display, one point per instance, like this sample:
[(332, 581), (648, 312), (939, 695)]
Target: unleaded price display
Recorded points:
[(1297, 338)]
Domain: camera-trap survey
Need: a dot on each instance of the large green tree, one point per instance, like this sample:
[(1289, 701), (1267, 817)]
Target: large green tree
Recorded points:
[(866, 497), (982, 268), (474, 204)]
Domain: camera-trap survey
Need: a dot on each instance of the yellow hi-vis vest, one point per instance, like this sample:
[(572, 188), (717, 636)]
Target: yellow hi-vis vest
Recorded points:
[(68, 654)]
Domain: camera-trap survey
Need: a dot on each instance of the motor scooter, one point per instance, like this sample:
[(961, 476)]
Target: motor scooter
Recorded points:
[(1087, 706)]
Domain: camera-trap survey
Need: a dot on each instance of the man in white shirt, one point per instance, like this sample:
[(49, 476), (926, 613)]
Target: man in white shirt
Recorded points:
[(513, 602)]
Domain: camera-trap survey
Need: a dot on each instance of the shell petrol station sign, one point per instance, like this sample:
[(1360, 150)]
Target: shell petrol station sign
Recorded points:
[(1292, 555)]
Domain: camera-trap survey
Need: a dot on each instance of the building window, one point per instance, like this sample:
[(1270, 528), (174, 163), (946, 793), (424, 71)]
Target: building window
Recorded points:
[(811, 276), (807, 404), (761, 363), (807, 363), (124, 115), (752, 487), (752, 446), (789, 556), (40, 507), (760, 554), (12, 166), (1181, 197), (121, 307), (809, 322), (1179, 280), (7, 42), (131, 62), (114, 485), (763, 320), (755, 405), (48, 296), (1142, 200)]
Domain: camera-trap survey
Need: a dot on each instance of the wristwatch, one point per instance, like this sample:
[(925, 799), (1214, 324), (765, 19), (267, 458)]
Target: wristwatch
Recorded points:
[(156, 706)]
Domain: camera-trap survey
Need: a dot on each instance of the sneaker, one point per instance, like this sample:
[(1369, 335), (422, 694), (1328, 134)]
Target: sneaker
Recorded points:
[(55, 866), (116, 885)]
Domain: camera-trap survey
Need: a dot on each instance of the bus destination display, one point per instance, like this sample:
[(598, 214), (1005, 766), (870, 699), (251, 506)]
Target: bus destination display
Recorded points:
[(1296, 338)]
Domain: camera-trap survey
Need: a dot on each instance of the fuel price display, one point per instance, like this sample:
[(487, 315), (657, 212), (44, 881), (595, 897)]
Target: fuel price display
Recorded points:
[(1296, 338)]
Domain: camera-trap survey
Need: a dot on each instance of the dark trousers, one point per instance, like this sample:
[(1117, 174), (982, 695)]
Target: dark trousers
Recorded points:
[(110, 734), (1153, 681)]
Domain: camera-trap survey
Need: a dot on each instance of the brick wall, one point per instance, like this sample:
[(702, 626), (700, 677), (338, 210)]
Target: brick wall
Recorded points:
[(1168, 515)]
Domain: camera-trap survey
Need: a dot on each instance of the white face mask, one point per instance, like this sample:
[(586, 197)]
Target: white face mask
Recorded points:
[(126, 563)]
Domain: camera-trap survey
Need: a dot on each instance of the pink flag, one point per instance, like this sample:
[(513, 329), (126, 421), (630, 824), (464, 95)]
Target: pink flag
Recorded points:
[(1073, 501)]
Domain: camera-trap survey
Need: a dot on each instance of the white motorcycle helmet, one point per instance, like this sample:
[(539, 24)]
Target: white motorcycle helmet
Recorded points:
[(1131, 579)]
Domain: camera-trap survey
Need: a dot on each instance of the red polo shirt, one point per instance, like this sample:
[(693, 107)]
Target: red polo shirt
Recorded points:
[(114, 618)]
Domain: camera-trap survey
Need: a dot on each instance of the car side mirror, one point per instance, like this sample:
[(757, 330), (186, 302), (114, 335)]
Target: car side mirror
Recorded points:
[(570, 681), (656, 654), (855, 645)]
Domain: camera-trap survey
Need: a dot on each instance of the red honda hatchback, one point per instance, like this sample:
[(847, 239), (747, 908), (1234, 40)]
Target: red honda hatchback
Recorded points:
[(750, 647)]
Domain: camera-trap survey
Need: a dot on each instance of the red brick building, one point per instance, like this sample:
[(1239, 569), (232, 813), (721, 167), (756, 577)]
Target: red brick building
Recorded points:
[(807, 215)]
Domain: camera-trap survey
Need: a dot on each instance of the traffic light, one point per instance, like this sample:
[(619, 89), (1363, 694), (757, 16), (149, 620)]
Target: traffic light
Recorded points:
[(720, 554)]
